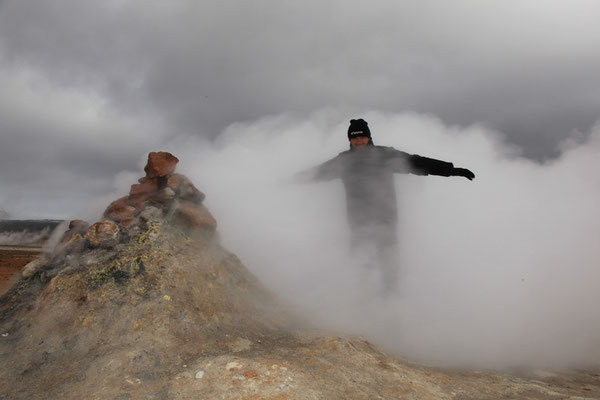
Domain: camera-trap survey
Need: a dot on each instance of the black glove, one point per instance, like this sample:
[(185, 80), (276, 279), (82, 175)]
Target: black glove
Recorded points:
[(463, 172)]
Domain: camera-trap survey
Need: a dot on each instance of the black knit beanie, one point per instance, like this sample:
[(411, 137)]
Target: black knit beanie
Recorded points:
[(358, 127)]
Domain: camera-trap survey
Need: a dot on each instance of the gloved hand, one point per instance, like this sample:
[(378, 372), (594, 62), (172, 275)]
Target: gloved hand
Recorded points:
[(463, 172)]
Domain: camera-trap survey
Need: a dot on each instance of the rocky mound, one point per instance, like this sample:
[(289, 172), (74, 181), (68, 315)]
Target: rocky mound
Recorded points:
[(146, 304)]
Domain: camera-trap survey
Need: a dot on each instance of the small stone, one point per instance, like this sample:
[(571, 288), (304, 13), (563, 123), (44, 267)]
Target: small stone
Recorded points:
[(119, 209), (199, 374), (77, 223), (30, 269), (126, 212), (102, 233), (160, 163), (133, 381), (196, 215), (185, 188), (151, 192), (250, 374), (127, 222), (76, 227), (232, 365), (76, 238), (151, 214), (174, 181), (187, 191), (142, 189), (168, 192)]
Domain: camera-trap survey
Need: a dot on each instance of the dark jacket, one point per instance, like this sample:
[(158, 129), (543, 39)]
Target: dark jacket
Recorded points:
[(367, 174)]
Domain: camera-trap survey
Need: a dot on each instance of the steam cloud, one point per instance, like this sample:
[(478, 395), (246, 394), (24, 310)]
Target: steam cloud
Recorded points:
[(499, 272), (24, 238)]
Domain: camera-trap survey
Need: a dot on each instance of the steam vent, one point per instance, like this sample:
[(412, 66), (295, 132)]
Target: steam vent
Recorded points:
[(146, 304)]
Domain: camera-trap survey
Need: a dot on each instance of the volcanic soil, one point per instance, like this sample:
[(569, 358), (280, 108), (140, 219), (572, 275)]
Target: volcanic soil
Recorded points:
[(12, 259)]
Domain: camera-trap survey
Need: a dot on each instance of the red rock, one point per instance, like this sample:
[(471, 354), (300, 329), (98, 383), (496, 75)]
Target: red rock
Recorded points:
[(174, 181), (78, 224), (185, 188), (123, 213), (76, 227), (127, 222), (119, 209), (140, 193), (138, 202), (117, 204), (143, 189), (74, 245), (168, 193), (160, 164), (250, 374), (196, 215), (192, 194), (101, 232)]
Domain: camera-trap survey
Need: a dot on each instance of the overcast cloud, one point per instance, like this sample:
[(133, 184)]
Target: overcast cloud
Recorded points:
[(89, 87)]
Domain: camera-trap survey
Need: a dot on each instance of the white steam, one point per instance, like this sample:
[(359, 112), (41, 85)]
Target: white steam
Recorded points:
[(25, 237), (499, 272)]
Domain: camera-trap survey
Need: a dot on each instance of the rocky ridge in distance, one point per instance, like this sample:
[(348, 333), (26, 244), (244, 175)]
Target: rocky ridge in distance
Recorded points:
[(146, 304)]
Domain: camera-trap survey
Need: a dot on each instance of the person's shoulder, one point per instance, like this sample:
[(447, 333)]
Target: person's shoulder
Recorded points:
[(338, 158), (383, 148), (388, 150)]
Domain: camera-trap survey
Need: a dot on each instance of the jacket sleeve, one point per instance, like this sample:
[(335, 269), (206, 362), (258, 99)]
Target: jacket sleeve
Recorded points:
[(429, 166), (402, 162), (330, 169)]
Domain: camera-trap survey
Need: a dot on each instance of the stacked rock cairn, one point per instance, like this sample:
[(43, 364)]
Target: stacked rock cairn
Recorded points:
[(161, 193)]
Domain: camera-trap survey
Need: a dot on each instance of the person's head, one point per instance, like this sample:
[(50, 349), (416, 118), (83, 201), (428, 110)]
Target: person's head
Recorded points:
[(359, 134)]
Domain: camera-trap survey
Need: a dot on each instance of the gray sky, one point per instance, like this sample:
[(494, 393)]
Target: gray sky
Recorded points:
[(89, 87)]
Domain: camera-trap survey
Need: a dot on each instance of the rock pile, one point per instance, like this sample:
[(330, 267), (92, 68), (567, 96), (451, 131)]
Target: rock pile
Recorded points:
[(161, 188), (162, 193)]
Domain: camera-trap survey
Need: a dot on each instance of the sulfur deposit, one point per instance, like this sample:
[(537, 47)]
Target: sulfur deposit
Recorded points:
[(146, 304)]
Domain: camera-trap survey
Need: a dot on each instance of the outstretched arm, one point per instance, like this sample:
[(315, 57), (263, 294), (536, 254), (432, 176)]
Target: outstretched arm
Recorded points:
[(330, 169), (430, 166)]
